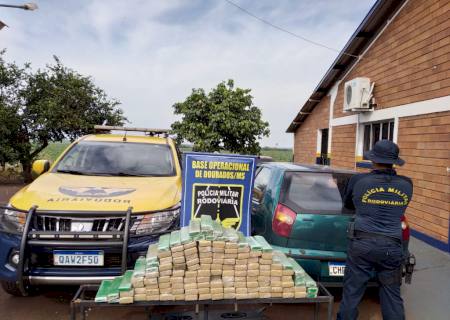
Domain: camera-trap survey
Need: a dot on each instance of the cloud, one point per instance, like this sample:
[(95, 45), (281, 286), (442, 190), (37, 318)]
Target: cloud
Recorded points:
[(150, 54)]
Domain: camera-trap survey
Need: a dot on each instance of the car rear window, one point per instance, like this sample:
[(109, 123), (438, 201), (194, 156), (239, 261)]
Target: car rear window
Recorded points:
[(118, 159), (315, 192)]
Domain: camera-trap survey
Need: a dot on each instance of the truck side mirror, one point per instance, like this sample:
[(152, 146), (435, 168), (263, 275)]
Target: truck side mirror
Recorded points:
[(39, 167)]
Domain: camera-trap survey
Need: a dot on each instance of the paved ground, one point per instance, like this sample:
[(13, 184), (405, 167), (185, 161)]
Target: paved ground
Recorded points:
[(427, 298), (429, 295)]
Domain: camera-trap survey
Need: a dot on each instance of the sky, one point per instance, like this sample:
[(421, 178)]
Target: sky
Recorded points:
[(150, 54)]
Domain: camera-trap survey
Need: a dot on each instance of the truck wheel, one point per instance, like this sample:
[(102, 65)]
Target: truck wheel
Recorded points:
[(11, 288)]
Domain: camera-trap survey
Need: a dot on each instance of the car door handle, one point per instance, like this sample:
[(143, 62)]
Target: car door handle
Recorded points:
[(307, 219)]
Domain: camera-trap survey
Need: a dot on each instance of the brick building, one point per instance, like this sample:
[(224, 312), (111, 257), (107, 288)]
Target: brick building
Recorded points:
[(403, 49)]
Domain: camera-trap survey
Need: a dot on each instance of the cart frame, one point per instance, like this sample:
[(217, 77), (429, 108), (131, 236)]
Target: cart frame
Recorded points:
[(80, 305)]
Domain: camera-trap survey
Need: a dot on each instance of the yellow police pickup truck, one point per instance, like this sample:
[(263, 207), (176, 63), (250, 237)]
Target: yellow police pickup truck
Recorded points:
[(88, 216)]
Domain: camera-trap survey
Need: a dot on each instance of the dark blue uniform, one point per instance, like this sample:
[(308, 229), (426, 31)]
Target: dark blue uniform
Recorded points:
[(380, 199)]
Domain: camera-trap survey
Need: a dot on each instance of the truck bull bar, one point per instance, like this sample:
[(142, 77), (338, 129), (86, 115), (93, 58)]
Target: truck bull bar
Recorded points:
[(30, 237)]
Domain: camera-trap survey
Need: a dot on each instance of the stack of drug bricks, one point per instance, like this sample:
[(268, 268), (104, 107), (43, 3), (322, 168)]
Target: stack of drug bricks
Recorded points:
[(205, 261)]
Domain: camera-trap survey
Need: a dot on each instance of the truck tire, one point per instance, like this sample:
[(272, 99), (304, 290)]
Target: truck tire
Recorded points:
[(11, 288)]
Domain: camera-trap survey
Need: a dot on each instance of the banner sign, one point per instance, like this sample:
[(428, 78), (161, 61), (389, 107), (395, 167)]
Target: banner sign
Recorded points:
[(219, 186)]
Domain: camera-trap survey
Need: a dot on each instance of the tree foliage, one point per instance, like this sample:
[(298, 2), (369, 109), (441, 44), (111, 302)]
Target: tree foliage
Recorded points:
[(223, 119), (48, 105)]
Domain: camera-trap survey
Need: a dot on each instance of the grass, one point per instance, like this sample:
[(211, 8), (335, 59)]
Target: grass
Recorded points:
[(12, 174), (283, 155), (278, 154), (53, 151)]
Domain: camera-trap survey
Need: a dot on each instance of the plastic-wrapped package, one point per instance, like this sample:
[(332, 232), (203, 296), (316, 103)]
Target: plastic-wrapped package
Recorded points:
[(194, 228), (207, 261), (265, 246), (299, 273), (152, 255), (206, 225), (175, 239), (113, 292), (230, 235), (125, 284), (102, 293), (281, 258), (164, 242), (311, 292), (139, 267), (217, 230), (254, 245), (309, 282), (184, 235)]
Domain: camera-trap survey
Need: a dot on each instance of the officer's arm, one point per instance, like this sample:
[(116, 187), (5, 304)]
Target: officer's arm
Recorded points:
[(348, 195)]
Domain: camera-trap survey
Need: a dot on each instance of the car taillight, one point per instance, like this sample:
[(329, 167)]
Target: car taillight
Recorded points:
[(405, 228), (283, 220)]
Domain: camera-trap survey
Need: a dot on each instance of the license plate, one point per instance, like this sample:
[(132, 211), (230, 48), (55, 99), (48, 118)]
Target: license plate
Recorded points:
[(78, 258), (336, 269)]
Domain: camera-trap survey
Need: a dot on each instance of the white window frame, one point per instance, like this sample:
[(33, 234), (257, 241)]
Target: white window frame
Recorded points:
[(360, 130), (319, 142), (382, 124)]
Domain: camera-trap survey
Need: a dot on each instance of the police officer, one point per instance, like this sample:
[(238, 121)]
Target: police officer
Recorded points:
[(380, 199)]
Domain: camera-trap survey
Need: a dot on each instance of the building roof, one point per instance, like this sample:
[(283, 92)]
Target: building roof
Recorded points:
[(370, 27)]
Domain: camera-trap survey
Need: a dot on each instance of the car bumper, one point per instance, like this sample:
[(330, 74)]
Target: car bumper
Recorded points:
[(316, 262), (40, 269), (65, 280)]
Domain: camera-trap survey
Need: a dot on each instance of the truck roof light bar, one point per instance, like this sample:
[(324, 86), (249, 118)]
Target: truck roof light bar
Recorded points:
[(149, 131)]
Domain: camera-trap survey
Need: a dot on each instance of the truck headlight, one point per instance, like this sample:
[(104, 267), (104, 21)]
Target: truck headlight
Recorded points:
[(156, 222), (12, 221)]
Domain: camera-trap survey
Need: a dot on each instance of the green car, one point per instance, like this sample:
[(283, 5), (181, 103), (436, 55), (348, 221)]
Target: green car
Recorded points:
[(299, 210)]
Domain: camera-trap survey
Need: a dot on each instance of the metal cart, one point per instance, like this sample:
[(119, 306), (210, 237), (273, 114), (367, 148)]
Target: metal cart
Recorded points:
[(83, 301)]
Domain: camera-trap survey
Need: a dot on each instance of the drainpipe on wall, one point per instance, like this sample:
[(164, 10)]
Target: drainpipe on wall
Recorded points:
[(333, 94)]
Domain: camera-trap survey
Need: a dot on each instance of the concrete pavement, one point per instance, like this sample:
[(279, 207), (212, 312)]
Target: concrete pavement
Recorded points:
[(428, 297)]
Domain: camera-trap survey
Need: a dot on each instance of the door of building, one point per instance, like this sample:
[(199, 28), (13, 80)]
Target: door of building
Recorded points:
[(323, 159)]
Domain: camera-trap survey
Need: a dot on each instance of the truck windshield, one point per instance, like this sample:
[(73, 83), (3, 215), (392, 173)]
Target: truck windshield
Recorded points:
[(315, 192), (117, 159)]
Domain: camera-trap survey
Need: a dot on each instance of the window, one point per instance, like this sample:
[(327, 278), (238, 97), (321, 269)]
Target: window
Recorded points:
[(374, 132), (315, 192), (118, 159), (261, 181)]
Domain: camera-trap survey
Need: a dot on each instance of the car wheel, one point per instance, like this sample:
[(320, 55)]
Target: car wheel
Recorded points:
[(12, 288)]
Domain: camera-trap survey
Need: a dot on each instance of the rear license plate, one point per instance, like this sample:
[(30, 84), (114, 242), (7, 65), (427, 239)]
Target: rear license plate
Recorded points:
[(336, 269), (78, 258)]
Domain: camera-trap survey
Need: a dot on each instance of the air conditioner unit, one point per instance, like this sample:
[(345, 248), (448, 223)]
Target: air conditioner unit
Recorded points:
[(357, 94)]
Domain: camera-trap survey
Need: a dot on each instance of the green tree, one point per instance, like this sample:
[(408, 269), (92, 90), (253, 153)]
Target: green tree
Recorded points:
[(223, 119), (51, 104)]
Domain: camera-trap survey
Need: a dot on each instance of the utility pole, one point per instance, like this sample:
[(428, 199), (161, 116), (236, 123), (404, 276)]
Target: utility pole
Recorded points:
[(27, 6)]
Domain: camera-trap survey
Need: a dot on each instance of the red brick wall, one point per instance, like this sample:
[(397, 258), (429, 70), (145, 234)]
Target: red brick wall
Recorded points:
[(425, 145), (409, 62), (343, 147), (305, 139)]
